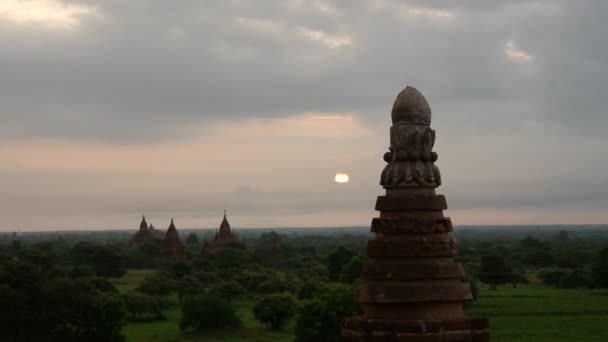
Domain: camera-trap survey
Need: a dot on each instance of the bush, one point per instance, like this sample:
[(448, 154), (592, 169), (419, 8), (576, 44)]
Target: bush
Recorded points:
[(275, 286), (308, 290), (157, 285), (352, 270), (275, 309), (227, 289), (318, 320), (208, 312), (599, 268), (139, 304)]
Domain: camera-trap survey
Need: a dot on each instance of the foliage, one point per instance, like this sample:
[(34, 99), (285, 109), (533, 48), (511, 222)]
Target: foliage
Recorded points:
[(192, 239), (308, 290), (275, 285), (275, 309), (352, 270), (36, 305), (599, 268), (207, 312), (494, 271), (157, 285), (336, 261), (319, 319), (139, 304), (227, 290)]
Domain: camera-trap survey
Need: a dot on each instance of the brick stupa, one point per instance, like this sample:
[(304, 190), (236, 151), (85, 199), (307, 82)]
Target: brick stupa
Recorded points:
[(172, 246), (413, 289), (223, 238)]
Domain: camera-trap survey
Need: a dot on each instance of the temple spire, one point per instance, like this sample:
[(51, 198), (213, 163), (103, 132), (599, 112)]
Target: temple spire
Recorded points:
[(143, 225)]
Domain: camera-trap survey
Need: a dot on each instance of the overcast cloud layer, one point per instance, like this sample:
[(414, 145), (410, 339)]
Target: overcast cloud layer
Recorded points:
[(111, 109)]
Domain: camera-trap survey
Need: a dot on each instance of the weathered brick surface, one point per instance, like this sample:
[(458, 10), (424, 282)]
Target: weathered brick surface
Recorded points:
[(412, 248), (458, 330), (411, 225), (415, 202), (481, 336), (390, 293), (431, 269)]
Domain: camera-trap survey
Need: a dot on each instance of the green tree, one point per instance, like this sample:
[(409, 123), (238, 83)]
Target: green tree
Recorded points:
[(188, 285), (192, 240), (352, 270), (275, 309), (599, 268), (336, 260), (139, 304), (494, 271), (227, 290), (157, 285), (318, 319), (207, 312)]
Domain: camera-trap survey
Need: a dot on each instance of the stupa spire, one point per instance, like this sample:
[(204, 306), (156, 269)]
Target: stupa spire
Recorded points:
[(413, 290)]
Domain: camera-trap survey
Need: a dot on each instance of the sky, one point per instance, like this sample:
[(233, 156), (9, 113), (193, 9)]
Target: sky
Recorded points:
[(114, 109)]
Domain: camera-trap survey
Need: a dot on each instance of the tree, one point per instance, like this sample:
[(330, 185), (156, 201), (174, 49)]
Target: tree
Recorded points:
[(308, 290), (352, 270), (139, 304), (188, 285), (599, 268), (157, 285), (494, 271), (275, 286), (192, 240), (207, 312), (227, 290), (318, 319), (336, 260), (275, 309)]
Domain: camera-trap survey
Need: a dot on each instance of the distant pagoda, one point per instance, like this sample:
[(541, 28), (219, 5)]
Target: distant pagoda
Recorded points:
[(146, 235), (413, 289), (142, 236), (172, 247), (223, 238)]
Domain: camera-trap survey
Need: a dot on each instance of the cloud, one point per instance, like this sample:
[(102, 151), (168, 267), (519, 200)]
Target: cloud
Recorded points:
[(53, 14), (331, 41), (176, 105), (517, 55)]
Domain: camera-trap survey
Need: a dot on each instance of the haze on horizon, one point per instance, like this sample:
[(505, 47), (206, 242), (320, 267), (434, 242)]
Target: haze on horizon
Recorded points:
[(113, 109)]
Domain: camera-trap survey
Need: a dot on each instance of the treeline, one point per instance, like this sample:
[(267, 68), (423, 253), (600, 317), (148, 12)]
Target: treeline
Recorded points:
[(61, 290), (562, 260)]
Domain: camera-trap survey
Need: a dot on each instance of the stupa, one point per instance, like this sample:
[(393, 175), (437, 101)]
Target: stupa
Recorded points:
[(223, 238), (172, 246), (142, 236), (413, 289)]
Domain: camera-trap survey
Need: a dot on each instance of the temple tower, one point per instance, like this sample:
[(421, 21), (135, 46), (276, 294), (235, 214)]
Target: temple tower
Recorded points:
[(413, 289), (172, 246)]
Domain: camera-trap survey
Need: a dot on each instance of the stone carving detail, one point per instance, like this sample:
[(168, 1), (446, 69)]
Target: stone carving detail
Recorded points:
[(410, 174), (411, 157)]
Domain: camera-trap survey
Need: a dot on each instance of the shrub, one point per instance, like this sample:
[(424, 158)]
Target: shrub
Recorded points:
[(227, 289), (319, 319), (275, 309), (208, 312)]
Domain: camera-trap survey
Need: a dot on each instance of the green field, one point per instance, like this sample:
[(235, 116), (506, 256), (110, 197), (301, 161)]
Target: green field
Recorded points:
[(527, 313)]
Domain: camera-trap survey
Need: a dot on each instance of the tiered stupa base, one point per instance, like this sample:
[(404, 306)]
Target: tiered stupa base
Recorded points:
[(466, 329)]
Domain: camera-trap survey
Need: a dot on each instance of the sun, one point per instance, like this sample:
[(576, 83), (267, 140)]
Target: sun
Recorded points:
[(341, 178)]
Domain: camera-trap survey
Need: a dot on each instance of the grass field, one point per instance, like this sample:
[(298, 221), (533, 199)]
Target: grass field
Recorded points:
[(528, 313), (535, 313)]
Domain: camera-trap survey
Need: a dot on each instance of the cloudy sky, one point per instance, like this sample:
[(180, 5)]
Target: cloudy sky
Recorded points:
[(110, 109)]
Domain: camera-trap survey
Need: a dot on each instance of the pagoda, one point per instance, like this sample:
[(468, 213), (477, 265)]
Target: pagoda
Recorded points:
[(223, 238), (142, 236), (413, 289), (172, 247)]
